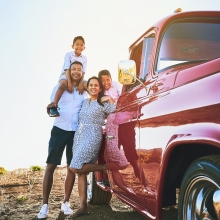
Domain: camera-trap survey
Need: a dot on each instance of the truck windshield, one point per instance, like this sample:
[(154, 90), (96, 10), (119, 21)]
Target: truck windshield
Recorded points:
[(185, 42)]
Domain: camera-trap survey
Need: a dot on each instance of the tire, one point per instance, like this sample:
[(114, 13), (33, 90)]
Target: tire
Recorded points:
[(200, 189), (95, 195)]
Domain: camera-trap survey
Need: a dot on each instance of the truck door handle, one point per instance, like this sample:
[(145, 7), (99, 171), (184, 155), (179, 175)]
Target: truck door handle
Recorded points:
[(109, 137)]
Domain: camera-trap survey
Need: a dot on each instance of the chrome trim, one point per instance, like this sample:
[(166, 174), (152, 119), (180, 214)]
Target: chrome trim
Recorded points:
[(200, 196), (109, 137), (216, 203)]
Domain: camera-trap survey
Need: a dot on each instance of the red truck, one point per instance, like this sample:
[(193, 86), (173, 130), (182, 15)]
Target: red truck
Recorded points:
[(165, 133)]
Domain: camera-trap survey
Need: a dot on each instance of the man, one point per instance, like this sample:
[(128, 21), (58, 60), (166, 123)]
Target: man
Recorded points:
[(62, 135)]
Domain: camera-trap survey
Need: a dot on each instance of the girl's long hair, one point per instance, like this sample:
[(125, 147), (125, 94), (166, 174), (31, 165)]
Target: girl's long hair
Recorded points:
[(101, 93)]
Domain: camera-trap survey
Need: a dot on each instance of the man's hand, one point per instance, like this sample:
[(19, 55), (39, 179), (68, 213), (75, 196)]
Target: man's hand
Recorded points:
[(80, 88), (52, 104)]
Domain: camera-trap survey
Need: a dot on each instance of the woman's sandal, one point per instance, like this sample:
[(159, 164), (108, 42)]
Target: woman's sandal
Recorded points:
[(79, 213)]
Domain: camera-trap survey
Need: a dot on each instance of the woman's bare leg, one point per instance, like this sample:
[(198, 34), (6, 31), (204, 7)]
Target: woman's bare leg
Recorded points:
[(82, 188), (89, 167), (69, 183)]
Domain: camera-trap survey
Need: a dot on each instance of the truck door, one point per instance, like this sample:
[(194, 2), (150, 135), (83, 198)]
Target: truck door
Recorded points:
[(126, 159), (122, 154)]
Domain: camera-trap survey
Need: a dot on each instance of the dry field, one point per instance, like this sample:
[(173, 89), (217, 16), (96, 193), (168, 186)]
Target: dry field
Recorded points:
[(21, 198)]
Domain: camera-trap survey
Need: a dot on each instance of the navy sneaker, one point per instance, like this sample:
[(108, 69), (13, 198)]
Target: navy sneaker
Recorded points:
[(54, 112)]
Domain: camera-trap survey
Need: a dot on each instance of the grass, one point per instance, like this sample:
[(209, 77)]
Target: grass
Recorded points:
[(3, 170), (36, 168), (21, 198)]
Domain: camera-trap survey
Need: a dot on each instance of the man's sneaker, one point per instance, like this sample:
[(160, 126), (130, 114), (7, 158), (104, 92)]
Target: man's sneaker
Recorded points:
[(54, 112), (43, 212), (65, 208)]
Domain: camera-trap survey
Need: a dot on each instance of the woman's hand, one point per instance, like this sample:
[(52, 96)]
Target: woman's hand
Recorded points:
[(107, 98)]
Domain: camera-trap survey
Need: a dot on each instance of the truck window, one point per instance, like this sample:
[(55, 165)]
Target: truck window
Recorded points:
[(146, 56), (189, 41), (142, 54), (136, 56)]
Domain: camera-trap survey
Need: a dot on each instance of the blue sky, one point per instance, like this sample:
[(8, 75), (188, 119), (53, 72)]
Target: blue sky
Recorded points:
[(35, 35)]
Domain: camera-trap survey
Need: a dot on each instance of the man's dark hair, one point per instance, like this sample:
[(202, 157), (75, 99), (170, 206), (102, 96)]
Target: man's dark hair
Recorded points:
[(104, 73), (101, 93), (76, 62), (78, 38)]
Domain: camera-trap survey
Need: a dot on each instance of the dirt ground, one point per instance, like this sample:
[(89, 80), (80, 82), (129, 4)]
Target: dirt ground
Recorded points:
[(21, 198)]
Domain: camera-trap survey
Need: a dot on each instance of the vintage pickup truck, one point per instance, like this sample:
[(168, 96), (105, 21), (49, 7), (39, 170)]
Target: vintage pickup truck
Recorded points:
[(165, 134)]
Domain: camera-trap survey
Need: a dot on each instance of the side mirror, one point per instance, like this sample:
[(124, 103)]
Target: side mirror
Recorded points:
[(127, 72)]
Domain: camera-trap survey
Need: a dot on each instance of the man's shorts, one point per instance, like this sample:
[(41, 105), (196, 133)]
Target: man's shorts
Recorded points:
[(58, 141)]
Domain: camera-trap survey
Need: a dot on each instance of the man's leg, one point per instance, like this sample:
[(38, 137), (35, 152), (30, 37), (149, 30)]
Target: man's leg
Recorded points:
[(58, 140), (48, 181), (70, 177), (56, 147)]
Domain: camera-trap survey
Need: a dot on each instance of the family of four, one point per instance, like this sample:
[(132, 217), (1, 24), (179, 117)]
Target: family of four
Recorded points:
[(83, 107)]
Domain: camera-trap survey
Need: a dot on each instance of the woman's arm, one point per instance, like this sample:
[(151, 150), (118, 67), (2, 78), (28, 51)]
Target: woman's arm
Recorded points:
[(108, 99)]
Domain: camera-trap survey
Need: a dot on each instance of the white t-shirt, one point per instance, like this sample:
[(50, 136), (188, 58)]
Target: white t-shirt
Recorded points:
[(70, 105), (70, 57)]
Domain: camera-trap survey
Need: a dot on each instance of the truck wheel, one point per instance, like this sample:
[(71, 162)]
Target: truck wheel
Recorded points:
[(95, 195), (200, 190)]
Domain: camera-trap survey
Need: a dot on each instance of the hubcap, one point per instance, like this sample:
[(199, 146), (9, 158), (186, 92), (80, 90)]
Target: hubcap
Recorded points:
[(202, 200), (89, 185)]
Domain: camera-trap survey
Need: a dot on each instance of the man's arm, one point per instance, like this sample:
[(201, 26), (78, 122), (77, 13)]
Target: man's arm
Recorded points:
[(61, 88)]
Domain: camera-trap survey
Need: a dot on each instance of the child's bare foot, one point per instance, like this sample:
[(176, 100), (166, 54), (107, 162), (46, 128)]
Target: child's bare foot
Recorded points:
[(80, 212)]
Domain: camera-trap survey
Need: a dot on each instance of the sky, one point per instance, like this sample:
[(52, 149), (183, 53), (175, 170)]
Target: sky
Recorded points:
[(35, 35)]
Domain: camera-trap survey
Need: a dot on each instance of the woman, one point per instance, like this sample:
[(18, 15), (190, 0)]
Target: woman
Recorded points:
[(88, 137)]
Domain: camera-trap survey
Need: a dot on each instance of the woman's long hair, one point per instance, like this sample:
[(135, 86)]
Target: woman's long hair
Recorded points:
[(101, 93)]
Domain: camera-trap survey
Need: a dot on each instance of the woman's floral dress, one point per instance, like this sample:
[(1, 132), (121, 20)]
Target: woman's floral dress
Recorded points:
[(88, 136)]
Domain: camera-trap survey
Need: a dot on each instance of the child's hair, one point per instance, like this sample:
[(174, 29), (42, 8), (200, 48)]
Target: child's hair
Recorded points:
[(104, 73), (101, 93), (78, 38), (76, 62)]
